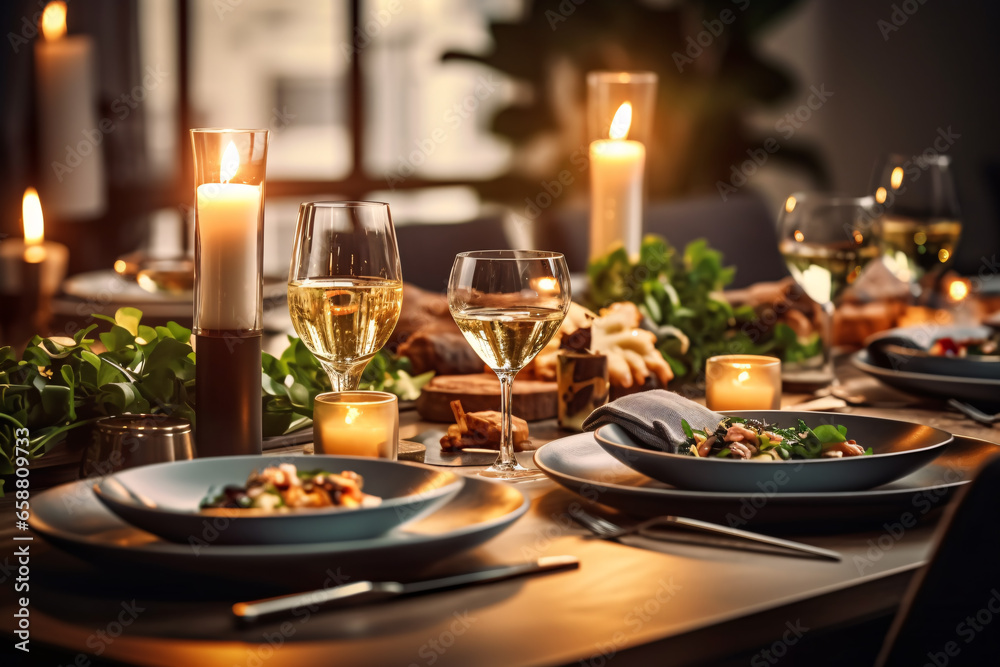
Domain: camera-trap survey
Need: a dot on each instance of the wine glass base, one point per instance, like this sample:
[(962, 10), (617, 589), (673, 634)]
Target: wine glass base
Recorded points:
[(512, 473)]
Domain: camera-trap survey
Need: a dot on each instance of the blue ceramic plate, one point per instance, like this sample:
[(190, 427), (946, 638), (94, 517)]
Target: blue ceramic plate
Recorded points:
[(899, 449), (163, 499)]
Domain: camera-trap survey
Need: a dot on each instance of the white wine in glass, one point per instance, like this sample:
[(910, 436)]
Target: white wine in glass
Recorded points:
[(345, 290), (921, 223), (826, 241), (508, 305)]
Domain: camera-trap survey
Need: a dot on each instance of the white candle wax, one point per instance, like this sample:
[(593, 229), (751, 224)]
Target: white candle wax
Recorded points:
[(229, 287), (70, 156), (616, 172)]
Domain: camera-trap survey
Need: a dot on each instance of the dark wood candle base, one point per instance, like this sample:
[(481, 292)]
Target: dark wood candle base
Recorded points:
[(228, 393)]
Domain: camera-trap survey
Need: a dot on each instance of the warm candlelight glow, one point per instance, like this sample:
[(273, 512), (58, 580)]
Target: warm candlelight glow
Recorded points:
[(790, 204), (896, 179), (743, 382), (54, 21), (880, 195), (356, 423), (34, 227), (958, 289), (230, 163), (622, 122), (799, 236)]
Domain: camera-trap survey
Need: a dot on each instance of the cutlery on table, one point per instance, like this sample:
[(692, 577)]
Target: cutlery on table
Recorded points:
[(372, 591), (974, 413), (606, 530)]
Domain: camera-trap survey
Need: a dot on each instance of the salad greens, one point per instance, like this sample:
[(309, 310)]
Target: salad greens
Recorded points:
[(61, 384), (681, 299), (800, 442)]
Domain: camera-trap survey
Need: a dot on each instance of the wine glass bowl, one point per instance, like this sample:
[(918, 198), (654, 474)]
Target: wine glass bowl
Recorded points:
[(508, 304), (826, 240), (345, 286), (921, 222)]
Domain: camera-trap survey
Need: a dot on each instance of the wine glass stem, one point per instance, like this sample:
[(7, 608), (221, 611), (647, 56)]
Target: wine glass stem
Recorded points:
[(506, 460), (343, 379), (828, 310)]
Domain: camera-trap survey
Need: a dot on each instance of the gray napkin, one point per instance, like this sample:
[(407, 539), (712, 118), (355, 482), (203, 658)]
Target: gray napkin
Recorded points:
[(654, 418)]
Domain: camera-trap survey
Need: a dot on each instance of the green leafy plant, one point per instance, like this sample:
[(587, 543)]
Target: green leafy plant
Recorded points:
[(681, 299), (61, 384)]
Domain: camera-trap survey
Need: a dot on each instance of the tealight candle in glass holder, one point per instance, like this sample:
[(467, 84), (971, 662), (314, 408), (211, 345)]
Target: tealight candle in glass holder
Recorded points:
[(743, 382), (356, 423)]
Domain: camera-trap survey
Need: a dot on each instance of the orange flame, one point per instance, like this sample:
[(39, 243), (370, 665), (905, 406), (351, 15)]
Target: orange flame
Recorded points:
[(54, 21)]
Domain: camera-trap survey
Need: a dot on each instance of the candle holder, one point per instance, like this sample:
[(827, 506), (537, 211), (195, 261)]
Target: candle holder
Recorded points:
[(356, 423), (619, 121), (229, 170), (743, 382)]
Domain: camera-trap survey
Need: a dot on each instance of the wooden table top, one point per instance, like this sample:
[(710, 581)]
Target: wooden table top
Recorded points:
[(691, 602)]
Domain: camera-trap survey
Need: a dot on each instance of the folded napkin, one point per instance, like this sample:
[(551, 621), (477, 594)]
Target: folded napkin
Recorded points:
[(653, 418)]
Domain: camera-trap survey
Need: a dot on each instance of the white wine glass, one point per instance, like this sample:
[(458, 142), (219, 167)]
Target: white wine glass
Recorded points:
[(508, 304), (921, 222), (826, 240), (345, 286)]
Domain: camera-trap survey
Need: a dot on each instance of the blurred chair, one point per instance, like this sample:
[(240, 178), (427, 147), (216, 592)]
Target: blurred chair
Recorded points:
[(951, 613), (742, 228), (427, 251)]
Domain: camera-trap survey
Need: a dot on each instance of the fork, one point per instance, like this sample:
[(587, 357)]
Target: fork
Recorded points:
[(974, 413), (606, 530)]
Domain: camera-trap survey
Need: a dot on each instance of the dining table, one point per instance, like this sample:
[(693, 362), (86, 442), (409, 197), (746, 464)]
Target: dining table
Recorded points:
[(685, 601)]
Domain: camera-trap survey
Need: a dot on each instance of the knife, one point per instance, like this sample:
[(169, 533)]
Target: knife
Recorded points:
[(372, 591)]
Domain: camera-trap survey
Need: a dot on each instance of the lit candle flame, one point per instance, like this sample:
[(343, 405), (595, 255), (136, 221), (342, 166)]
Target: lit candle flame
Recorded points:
[(34, 226), (799, 236), (622, 122), (790, 204), (896, 179), (547, 284), (743, 376), (958, 289), (352, 414), (230, 163), (880, 195), (54, 21)]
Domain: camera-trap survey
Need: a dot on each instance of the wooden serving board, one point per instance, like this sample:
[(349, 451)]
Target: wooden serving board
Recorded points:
[(533, 400)]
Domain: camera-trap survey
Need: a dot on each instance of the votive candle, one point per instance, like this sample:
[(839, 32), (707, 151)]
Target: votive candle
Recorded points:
[(356, 423), (743, 382)]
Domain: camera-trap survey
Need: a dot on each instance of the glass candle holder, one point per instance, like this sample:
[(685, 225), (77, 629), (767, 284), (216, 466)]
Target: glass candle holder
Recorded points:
[(229, 169), (619, 122), (743, 382), (356, 423)]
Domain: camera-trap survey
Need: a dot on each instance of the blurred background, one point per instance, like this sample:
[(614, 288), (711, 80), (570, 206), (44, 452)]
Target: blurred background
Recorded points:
[(469, 110)]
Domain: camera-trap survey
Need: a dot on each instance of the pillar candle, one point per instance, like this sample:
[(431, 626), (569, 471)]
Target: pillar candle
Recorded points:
[(70, 154), (616, 174)]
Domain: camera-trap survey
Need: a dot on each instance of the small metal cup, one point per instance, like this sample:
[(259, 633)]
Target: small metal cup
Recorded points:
[(130, 441)]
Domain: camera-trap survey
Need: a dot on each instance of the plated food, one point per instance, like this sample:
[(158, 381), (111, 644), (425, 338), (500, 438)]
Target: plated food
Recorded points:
[(283, 487), (965, 347), (168, 499), (897, 448), (749, 439)]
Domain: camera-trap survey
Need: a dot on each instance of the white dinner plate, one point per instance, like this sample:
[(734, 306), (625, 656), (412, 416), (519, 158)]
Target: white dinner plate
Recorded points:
[(71, 518), (578, 463), (164, 498)]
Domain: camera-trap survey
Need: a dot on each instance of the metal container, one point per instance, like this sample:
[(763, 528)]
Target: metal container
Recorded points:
[(130, 441)]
